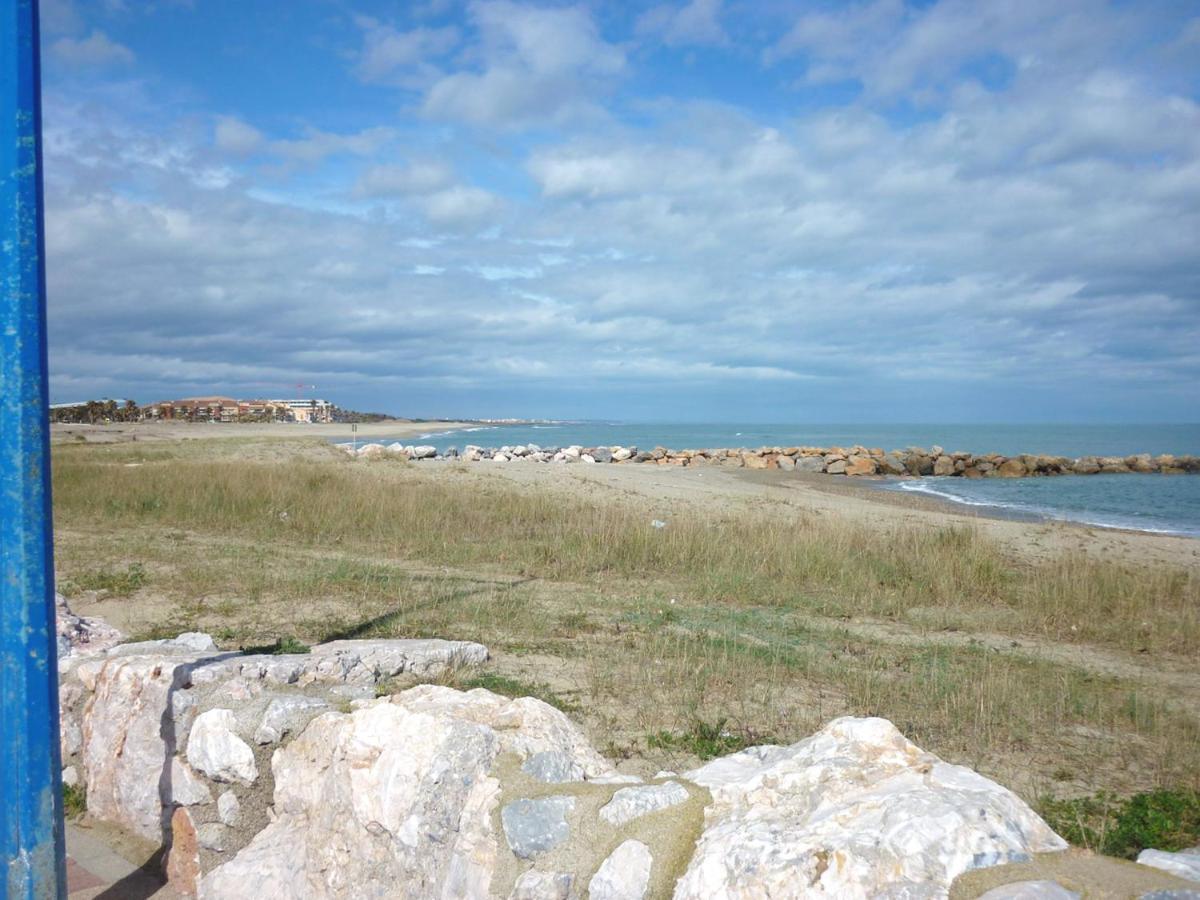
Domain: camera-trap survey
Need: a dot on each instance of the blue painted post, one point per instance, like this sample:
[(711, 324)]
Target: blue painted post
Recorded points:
[(30, 765)]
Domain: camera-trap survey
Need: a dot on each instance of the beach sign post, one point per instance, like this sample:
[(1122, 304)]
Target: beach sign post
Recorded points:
[(30, 778)]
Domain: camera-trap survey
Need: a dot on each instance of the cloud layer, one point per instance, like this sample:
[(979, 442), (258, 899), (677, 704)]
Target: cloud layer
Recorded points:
[(957, 211)]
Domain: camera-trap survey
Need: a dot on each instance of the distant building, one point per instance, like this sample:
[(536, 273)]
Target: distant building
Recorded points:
[(194, 409), (308, 410), (227, 409)]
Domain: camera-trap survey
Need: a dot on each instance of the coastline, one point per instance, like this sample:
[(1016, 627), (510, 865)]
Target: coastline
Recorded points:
[(119, 432), (796, 496)]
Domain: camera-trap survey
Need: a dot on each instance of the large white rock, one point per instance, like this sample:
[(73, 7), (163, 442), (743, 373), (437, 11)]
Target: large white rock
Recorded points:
[(856, 810), (379, 802), (214, 748), (625, 875), (525, 726), (128, 739), (395, 798), (1185, 864)]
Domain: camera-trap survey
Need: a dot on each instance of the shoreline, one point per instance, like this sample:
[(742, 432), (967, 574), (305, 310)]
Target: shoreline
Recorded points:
[(877, 490), (120, 432)]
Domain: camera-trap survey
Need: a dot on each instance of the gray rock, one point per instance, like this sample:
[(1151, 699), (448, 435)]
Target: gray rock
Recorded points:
[(287, 714), (1184, 864), (185, 787), (602, 455), (535, 885), (631, 802), (810, 464), (535, 826), (1030, 890), (552, 767), (229, 810), (424, 452), (213, 836)]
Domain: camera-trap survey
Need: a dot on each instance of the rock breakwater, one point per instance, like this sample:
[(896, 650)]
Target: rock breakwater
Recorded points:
[(851, 461)]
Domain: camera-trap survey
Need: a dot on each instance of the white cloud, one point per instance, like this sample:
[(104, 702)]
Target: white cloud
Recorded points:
[(97, 49), (461, 206), (386, 50), (415, 178), (236, 137), (697, 22), (1040, 232), (540, 64), (316, 145)]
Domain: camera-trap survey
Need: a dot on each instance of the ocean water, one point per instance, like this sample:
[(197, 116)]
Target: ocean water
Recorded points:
[(1058, 440), (1167, 504), (1159, 503)]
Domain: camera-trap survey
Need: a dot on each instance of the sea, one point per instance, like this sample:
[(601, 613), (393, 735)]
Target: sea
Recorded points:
[(1156, 503)]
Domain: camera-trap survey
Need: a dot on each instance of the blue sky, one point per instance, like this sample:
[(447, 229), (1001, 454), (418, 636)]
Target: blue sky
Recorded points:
[(773, 211)]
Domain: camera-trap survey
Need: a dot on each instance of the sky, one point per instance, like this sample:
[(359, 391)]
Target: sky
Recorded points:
[(882, 211)]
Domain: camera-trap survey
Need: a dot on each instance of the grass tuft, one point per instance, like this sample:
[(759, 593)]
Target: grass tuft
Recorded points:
[(1104, 823)]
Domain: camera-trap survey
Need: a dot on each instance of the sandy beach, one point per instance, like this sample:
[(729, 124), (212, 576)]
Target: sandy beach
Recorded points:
[(788, 493), (119, 432)]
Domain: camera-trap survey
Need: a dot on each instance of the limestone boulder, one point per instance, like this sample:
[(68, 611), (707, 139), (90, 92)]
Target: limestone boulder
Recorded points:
[(129, 736), (1185, 863), (397, 797), (625, 875), (287, 714), (854, 811), (215, 749)]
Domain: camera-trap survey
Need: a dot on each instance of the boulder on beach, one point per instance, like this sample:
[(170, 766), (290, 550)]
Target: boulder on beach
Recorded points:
[(854, 811)]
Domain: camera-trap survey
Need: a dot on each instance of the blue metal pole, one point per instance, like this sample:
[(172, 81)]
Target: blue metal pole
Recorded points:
[(30, 764)]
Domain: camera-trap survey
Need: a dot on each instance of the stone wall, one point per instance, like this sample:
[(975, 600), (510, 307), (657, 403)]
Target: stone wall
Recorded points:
[(287, 777)]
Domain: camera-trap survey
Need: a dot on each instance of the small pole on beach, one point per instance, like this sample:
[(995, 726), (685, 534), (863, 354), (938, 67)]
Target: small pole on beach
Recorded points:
[(30, 777), (354, 437)]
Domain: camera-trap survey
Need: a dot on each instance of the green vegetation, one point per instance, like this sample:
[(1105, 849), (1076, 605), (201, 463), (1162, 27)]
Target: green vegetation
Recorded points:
[(704, 740), (826, 568), (74, 801), (281, 646), (1163, 819), (119, 583), (735, 625)]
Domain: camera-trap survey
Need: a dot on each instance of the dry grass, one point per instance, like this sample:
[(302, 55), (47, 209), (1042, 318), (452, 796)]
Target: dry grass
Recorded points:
[(824, 567), (718, 627)]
